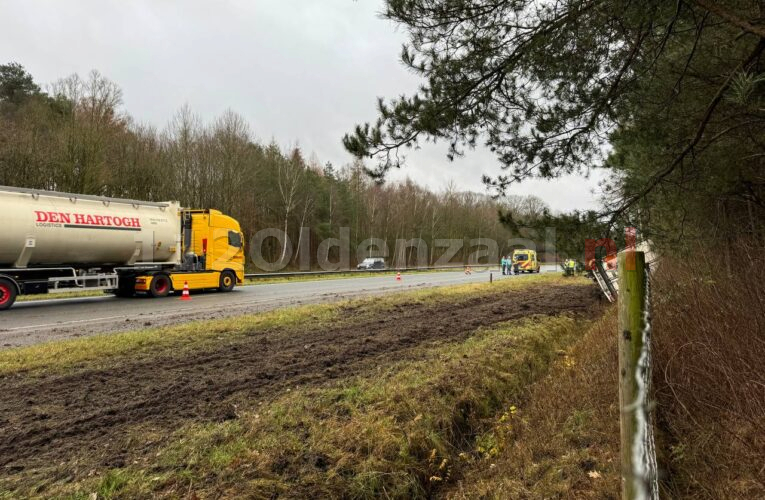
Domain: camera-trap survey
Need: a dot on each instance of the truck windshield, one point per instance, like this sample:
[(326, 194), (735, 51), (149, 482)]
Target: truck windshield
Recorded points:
[(521, 257)]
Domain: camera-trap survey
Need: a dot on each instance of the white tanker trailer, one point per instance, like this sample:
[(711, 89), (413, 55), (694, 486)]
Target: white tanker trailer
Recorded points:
[(61, 242)]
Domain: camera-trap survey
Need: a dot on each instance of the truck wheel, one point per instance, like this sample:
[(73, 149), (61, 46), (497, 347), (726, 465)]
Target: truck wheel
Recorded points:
[(7, 294), (227, 281), (160, 285)]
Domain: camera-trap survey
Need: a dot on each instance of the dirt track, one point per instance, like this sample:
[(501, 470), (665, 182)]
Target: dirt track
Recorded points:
[(88, 416)]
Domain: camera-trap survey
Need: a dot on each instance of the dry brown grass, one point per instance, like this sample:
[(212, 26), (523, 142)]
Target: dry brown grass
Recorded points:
[(709, 332), (564, 443)]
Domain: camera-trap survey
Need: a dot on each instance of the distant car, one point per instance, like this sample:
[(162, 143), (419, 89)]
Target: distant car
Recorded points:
[(372, 263)]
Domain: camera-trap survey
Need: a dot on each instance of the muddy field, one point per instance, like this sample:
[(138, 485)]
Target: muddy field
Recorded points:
[(68, 425)]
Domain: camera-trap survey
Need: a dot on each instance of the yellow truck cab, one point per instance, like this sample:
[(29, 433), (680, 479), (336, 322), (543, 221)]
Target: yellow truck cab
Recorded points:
[(212, 256), (525, 261)]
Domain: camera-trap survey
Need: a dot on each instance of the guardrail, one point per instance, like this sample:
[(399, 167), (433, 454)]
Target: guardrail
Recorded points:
[(638, 449), (369, 271), (607, 279)]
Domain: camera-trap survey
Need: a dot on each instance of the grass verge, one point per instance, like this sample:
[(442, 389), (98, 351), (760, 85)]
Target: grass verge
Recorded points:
[(62, 295), (316, 277), (406, 431), (564, 442)]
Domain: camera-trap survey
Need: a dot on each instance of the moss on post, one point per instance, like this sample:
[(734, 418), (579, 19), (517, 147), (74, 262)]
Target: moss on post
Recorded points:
[(631, 269)]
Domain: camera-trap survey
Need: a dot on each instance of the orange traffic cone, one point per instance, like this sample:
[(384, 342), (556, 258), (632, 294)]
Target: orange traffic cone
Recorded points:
[(185, 295), (398, 276)]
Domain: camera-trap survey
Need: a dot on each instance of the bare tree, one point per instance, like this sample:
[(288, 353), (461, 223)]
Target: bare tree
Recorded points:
[(289, 175)]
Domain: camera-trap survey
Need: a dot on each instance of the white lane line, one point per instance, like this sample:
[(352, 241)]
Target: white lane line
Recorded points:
[(145, 315), (417, 282), (236, 305), (63, 323)]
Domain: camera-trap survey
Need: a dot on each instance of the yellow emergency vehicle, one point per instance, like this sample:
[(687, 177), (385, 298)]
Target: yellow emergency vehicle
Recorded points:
[(525, 261)]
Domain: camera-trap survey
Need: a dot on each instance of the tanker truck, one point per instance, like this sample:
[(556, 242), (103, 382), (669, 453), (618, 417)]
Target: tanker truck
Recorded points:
[(54, 242)]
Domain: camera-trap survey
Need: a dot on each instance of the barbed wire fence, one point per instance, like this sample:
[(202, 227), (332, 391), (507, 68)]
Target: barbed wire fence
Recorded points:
[(644, 467), (630, 286)]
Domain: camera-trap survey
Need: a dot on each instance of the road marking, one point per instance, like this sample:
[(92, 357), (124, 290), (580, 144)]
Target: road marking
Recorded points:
[(64, 323), (338, 288)]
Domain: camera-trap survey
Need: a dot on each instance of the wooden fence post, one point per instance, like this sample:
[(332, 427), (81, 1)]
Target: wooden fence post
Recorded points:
[(631, 269)]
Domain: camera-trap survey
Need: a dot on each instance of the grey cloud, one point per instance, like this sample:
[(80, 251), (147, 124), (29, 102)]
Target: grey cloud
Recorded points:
[(299, 71)]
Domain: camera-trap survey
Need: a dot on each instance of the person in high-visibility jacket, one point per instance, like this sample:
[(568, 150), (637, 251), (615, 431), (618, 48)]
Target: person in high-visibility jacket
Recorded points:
[(504, 264), (569, 267)]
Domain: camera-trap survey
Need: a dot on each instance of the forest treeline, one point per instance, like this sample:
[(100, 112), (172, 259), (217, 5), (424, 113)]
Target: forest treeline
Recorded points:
[(75, 137)]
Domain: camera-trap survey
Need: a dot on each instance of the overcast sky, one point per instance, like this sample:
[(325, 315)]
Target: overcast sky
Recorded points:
[(299, 71)]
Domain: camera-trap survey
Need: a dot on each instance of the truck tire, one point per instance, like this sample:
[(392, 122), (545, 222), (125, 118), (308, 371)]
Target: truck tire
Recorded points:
[(227, 281), (160, 285), (7, 294)]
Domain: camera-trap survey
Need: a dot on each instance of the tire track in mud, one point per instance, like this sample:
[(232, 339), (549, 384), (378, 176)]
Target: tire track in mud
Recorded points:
[(88, 415)]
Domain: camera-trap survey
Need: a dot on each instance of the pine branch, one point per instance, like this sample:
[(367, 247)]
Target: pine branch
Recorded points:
[(716, 9), (689, 148)]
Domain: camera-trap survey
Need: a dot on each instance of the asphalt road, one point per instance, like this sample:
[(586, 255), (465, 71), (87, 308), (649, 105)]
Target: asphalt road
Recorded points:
[(34, 322)]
